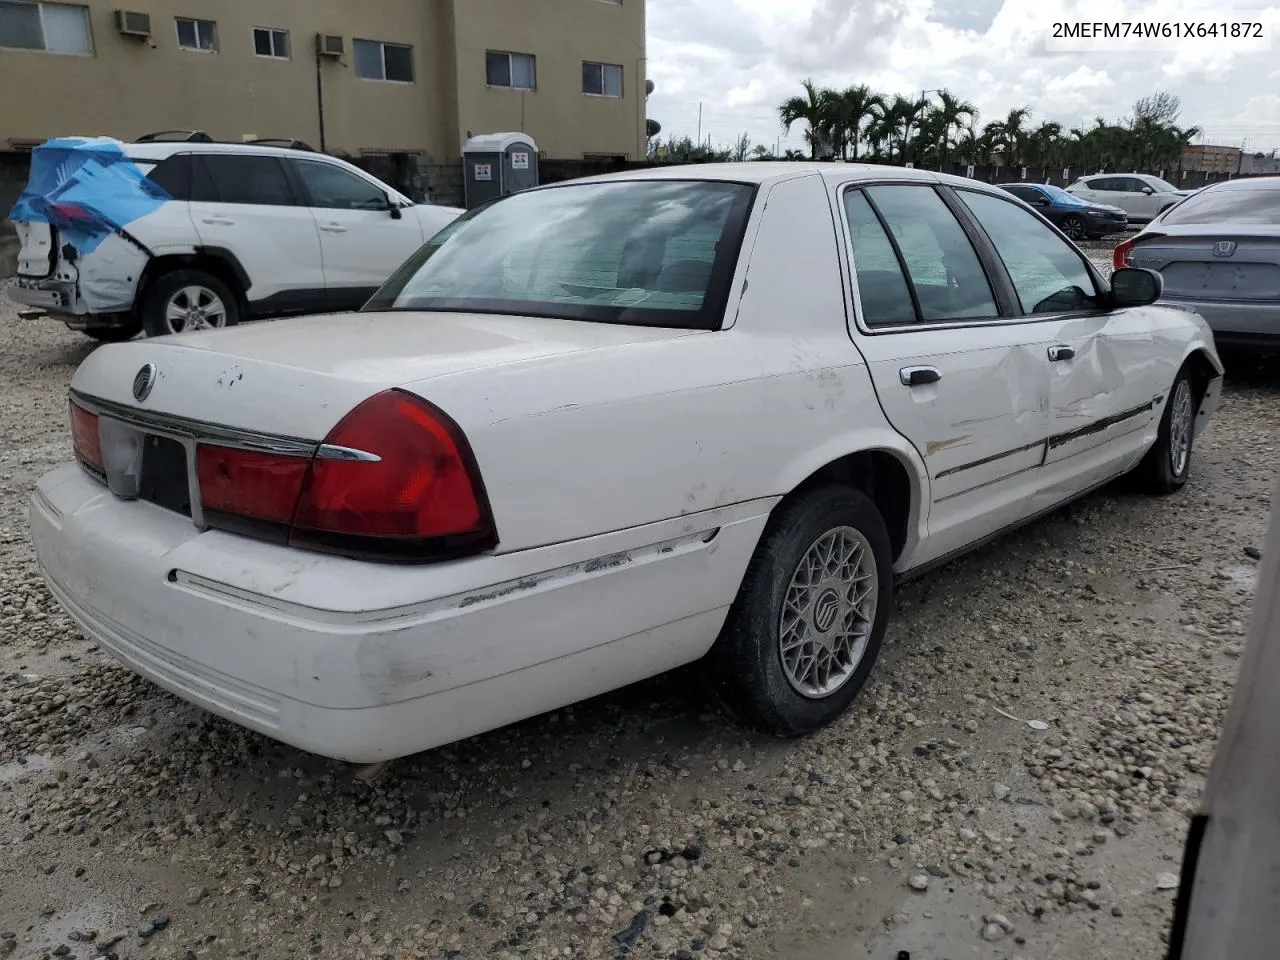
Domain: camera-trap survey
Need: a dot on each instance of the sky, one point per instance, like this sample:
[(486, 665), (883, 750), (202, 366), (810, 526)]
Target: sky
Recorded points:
[(741, 58)]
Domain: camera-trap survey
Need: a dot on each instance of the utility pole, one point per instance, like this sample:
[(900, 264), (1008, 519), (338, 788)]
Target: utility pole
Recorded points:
[(699, 121)]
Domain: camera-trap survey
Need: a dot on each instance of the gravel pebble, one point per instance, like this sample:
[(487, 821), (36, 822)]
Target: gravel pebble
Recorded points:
[(1118, 621)]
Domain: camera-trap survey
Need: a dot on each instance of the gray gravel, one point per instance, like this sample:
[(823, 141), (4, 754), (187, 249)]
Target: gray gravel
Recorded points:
[(641, 822)]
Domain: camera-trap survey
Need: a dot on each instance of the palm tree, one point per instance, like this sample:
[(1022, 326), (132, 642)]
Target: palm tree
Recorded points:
[(852, 107), (814, 108), (949, 118), (1009, 135)]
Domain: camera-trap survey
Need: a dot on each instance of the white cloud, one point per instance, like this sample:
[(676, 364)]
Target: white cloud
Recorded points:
[(741, 58)]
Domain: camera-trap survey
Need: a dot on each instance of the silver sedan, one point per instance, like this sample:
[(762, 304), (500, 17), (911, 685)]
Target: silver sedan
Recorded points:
[(1219, 254)]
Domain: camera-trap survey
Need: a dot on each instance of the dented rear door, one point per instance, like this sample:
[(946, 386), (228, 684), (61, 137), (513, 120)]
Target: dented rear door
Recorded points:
[(969, 389)]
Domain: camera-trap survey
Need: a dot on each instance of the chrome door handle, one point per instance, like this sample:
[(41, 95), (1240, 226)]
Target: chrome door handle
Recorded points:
[(918, 376), (333, 227), (1061, 352)]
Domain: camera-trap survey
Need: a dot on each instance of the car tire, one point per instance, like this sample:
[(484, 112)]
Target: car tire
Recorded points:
[(1167, 465), (1074, 227), (126, 331), (186, 300), (804, 631)]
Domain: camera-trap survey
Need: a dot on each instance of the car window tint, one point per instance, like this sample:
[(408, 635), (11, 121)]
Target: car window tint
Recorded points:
[(1133, 184), (645, 252), (1047, 272), (253, 180), (882, 289), (1106, 184), (943, 267), (173, 176), (333, 188), (1241, 202)]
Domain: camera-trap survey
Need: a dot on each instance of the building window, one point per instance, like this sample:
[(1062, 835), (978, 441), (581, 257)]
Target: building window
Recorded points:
[(52, 27), (270, 42), (383, 61), (601, 79), (515, 70), (201, 35)]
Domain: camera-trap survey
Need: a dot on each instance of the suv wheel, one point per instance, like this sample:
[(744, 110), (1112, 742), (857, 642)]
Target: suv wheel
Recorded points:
[(807, 624), (188, 300)]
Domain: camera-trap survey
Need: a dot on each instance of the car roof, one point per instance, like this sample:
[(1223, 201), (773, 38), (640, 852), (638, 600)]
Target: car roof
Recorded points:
[(1266, 182), (157, 151), (769, 172)]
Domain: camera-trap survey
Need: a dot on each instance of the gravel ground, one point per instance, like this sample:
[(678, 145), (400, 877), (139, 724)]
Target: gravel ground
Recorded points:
[(133, 825)]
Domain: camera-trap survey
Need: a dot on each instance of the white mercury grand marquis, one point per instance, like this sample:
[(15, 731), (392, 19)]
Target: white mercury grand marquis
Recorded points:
[(597, 430)]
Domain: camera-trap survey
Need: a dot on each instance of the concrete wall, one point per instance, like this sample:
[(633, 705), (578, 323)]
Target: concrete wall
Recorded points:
[(130, 86)]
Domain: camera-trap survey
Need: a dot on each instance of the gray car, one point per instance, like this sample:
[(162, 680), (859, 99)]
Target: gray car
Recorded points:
[(1219, 254)]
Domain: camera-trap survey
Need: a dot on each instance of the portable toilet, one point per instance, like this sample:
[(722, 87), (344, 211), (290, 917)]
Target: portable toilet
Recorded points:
[(496, 164)]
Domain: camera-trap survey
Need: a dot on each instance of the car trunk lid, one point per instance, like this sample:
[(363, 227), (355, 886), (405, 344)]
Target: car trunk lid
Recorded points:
[(298, 377), (1207, 265)]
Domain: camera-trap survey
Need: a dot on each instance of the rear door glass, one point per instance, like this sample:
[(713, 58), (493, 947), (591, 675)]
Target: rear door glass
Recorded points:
[(242, 179), (943, 267), (882, 288)]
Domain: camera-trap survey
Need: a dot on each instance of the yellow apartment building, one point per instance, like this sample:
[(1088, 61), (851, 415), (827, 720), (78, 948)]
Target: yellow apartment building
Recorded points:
[(360, 77)]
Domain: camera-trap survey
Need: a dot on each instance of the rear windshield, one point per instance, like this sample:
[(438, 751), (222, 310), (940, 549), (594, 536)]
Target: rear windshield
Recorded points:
[(1243, 204), (645, 252)]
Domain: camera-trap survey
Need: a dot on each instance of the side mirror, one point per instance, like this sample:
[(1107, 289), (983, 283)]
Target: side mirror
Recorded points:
[(1041, 201), (393, 207), (1148, 191), (1135, 287)]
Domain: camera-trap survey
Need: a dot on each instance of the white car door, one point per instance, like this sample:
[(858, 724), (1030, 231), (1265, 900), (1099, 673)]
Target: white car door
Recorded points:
[(244, 204), (1145, 202), (365, 233), (1103, 371), (967, 387)]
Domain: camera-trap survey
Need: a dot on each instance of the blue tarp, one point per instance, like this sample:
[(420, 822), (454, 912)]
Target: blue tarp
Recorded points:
[(87, 188)]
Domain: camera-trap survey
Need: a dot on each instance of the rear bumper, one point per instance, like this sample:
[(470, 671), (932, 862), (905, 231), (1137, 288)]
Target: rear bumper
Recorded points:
[(1237, 322), (367, 662), (56, 296)]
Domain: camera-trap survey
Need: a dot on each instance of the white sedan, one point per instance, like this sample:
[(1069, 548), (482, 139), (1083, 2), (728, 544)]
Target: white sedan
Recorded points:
[(595, 431)]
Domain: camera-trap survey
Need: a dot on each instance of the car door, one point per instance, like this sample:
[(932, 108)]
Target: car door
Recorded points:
[(244, 204), (969, 389), (1102, 362), (363, 236)]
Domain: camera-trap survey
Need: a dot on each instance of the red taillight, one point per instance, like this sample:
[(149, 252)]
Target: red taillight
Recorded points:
[(248, 484), (85, 440), (70, 211), (1122, 256), (395, 479)]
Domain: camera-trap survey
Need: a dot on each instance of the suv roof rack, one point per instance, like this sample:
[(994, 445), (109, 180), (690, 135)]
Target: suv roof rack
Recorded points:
[(181, 136), (284, 142)]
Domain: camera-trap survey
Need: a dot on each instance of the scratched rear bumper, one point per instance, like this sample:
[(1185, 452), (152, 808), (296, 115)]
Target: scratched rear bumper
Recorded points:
[(366, 661)]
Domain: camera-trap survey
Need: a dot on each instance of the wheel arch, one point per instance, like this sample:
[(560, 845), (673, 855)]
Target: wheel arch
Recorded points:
[(218, 261), (890, 474)]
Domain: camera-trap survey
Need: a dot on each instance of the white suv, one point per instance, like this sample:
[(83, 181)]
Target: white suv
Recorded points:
[(1140, 195), (165, 237)]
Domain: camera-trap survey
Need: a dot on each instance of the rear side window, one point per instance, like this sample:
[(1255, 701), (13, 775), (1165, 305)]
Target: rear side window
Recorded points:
[(173, 175), (945, 272), (226, 178), (882, 289), (1242, 204), (1047, 273)]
